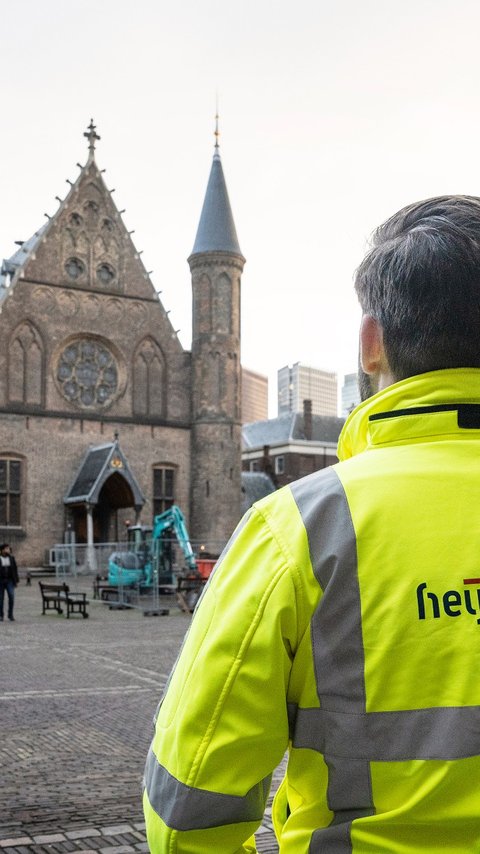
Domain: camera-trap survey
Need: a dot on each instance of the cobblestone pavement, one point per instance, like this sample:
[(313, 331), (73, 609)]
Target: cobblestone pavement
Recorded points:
[(77, 698)]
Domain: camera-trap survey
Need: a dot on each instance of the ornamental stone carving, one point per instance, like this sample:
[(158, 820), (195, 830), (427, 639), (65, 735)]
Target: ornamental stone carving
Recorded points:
[(138, 314), (92, 244), (68, 304), (115, 308), (43, 298)]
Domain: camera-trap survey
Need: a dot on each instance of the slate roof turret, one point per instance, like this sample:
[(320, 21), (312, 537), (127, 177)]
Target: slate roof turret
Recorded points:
[(216, 230)]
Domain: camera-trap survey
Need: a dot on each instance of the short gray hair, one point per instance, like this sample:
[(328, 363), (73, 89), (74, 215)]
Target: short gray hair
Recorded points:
[(421, 281)]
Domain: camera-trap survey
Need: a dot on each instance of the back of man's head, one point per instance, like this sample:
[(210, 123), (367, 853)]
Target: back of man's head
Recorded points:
[(421, 281)]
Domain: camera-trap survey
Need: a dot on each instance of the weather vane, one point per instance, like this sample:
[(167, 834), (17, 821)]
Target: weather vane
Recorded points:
[(92, 135)]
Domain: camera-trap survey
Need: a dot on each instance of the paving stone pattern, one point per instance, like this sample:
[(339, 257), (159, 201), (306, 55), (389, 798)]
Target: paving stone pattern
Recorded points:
[(77, 699)]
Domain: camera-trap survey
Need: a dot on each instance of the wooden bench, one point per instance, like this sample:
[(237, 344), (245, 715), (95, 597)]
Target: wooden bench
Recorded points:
[(56, 596), (100, 585), (105, 591), (189, 590)]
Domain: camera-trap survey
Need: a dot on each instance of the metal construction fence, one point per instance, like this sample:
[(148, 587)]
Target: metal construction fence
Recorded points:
[(91, 564), (70, 560)]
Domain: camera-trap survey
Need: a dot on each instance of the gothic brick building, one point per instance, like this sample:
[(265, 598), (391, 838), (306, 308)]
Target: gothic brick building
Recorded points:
[(103, 414)]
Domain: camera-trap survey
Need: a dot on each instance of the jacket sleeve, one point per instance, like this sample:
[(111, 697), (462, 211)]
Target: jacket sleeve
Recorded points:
[(222, 726)]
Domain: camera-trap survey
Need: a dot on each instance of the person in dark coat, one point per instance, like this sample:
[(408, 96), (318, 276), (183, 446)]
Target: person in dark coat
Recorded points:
[(8, 579)]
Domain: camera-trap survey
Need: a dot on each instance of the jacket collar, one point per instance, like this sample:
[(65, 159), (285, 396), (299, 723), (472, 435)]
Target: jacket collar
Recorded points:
[(458, 385)]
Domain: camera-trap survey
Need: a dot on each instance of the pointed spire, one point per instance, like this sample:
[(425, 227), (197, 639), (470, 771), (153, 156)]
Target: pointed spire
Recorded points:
[(91, 134), (216, 229)]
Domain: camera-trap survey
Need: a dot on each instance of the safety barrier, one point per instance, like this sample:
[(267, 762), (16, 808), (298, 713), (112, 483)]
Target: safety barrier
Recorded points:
[(91, 563)]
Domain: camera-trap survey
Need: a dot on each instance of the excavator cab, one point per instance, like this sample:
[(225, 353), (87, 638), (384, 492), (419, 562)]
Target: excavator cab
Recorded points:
[(132, 567), (138, 538)]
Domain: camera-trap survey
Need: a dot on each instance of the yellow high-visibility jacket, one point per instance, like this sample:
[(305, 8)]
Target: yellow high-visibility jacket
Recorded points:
[(342, 622)]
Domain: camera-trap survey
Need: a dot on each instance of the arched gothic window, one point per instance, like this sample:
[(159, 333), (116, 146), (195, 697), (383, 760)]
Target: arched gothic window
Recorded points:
[(163, 487), (25, 366), (149, 379), (11, 491), (203, 304)]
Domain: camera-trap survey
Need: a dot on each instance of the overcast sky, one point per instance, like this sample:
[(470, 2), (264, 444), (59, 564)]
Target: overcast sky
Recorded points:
[(332, 116)]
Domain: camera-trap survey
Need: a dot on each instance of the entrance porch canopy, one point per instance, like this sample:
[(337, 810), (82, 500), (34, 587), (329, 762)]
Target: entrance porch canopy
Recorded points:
[(97, 466), (103, 466)]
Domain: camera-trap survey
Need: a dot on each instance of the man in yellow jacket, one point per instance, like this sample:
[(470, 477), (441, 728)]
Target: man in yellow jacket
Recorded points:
[(343, 620)]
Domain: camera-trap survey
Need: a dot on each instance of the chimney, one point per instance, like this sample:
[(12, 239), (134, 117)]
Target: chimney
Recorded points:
[(266, 463), (307, 419)]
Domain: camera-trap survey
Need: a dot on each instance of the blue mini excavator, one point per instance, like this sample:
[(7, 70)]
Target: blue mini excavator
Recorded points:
[(149, 554)]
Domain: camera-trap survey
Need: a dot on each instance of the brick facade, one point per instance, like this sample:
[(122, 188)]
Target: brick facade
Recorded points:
[(216, 433)]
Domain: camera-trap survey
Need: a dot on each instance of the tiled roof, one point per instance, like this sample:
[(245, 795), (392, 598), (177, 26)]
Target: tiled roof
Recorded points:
[(272, 432), (255, 485), (90, 469), (290, 428), (10, 266)]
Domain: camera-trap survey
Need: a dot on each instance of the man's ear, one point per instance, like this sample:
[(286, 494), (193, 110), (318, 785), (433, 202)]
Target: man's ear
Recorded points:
[(372, 353)]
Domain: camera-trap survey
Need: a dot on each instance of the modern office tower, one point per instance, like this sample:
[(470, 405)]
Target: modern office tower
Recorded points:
[(350, 394), (254, 396), (302, 382)]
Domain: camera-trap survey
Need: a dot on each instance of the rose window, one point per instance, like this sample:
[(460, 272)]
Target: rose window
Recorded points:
[(87, 374)]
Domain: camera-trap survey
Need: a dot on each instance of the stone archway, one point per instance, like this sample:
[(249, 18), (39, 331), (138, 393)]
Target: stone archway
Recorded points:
[(115, 494)]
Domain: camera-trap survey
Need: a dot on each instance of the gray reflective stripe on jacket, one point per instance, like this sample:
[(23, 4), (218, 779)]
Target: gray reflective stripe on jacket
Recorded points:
[(337, 647), (232, 539), (186, 808), (342, 730), (437, 733)]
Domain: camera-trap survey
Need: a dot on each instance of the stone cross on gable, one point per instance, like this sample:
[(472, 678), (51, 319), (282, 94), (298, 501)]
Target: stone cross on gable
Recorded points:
[(91, 134)]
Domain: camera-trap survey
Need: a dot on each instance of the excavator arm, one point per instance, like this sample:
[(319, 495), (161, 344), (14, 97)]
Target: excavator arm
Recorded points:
[(174, 520)]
